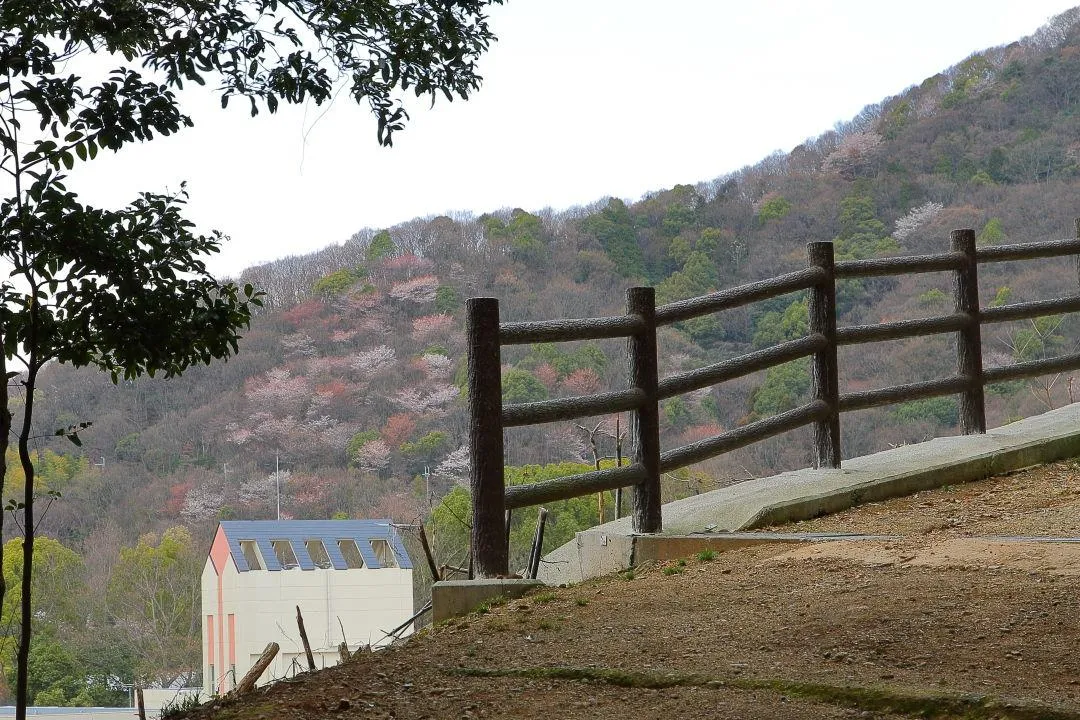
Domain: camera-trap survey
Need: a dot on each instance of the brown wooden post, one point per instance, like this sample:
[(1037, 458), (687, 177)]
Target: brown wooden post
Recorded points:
[(824, 369), (618, 463), (488, 537), (538, 544), (645, 421), (140, 705), (969, 341), (1076, 261), (304, 640), (435, 574), (506, 524)]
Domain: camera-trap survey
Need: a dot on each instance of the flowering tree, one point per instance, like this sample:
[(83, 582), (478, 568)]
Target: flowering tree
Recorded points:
[(419, 290), (427, 327), (373, 455), (438, 367), (370, 362), (916, 217), (454, 469), (856, 153)]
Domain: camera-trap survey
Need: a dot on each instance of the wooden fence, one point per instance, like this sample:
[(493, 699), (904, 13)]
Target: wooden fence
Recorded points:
[(488, 416)]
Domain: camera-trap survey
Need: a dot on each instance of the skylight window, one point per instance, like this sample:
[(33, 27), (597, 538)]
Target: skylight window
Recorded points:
[(353, 559), (384, 553), (250, 550), (317, 552), (285, 555)]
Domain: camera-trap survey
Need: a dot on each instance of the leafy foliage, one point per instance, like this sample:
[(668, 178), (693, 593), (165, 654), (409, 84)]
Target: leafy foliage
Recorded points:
[(784, 388), (520, 386)]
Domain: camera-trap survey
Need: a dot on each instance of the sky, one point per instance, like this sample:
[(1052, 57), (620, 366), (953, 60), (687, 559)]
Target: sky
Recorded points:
[(581, 99)]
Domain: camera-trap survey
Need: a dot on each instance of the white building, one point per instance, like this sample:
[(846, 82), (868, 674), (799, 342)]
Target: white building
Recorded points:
[(347, 576)]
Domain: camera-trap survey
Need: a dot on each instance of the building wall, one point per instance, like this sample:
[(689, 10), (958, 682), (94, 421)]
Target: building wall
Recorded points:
[(364, 602), (260, 607)]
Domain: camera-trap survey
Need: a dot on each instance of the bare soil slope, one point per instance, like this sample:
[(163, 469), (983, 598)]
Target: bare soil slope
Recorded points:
[(943, 621)]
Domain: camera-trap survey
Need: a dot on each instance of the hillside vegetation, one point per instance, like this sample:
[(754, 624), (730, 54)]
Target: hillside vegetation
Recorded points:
[(347, 393)]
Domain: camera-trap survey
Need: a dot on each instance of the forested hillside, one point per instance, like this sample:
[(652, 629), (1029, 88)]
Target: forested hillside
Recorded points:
[(347, 393)]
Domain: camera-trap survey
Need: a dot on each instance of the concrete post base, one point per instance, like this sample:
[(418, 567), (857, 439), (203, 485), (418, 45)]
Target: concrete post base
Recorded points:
[(454, 598)]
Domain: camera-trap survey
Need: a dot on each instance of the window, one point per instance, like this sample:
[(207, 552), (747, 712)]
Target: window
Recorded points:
[(250, 549), (351, 553), (384, 553), (317, 552), (285, 555)]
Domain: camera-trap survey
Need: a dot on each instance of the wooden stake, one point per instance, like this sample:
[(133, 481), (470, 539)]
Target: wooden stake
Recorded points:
[(435, 574), (303, 639), (140, 704)]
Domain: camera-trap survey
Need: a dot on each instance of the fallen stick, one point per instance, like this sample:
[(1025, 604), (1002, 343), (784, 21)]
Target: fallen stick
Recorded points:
[(252, 676)]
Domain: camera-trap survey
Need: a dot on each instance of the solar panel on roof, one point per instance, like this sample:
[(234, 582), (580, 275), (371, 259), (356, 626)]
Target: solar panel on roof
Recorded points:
[(298, 534)]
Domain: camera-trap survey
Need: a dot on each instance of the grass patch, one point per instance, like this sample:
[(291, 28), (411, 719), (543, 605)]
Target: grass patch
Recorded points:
[(880, 699), (545, 597), (627, 574), (706, 555), (180, 705), (485, 607), (581, 602), (673, 569)]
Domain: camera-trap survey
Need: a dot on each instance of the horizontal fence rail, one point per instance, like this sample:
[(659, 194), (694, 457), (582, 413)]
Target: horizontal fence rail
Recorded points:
[(1025, 311), (902, 329), (1032, 368), (902, 393), (740, 366), (738, 296), (876, 267), (525, 333), (1028, 251), (743, 436), (488, 416), (573, 485), (546, 411)]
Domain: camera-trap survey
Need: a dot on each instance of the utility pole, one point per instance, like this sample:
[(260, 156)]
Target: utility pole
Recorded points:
[(277, 482)]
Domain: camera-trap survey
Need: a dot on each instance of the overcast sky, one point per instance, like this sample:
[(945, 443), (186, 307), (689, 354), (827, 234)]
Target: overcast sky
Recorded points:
[(581, 99)]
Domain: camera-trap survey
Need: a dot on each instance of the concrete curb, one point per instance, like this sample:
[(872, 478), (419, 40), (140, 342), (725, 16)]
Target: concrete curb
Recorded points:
[(804, 494)]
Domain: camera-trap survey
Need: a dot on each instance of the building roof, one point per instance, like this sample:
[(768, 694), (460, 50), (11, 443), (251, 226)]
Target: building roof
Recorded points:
[(297, 532)]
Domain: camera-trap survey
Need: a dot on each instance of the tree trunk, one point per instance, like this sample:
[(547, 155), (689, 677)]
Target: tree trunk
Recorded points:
[(5, 428), (26, 611)]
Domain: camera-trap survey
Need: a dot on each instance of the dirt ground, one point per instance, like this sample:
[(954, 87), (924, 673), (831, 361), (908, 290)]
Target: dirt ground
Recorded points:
[(949, 617)]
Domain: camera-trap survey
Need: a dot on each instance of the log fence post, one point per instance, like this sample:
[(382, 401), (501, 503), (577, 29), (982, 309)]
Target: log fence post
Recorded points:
[(645, 420), (488, 535), (824, 368), (969, 340)]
